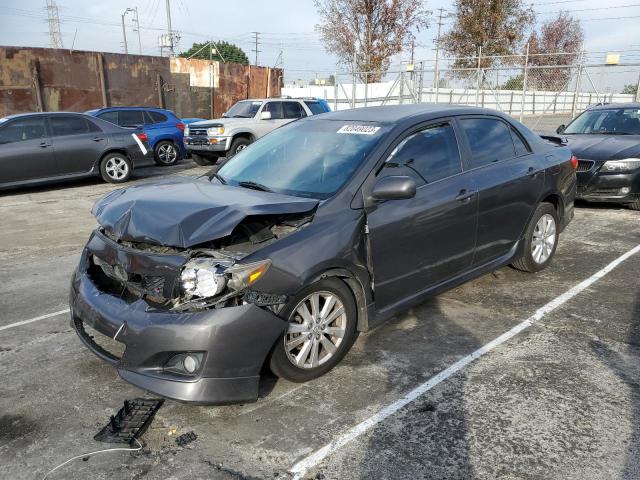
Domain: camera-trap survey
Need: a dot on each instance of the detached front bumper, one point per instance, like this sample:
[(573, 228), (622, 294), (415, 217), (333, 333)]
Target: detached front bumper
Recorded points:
[(215, 144), (597, 186), (235, 342)]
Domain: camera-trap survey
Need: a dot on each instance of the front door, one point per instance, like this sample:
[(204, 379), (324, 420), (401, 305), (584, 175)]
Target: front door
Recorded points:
[(26, 151), (421, 242)]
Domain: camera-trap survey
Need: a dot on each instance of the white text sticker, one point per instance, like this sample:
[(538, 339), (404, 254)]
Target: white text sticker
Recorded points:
[(359, 129)]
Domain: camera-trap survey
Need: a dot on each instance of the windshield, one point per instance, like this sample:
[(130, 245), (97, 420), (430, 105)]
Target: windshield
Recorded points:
[(310, 158), (616, 121), (244, 109)]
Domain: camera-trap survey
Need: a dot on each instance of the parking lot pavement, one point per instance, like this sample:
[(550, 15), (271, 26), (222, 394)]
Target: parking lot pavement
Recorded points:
[(559, 400)]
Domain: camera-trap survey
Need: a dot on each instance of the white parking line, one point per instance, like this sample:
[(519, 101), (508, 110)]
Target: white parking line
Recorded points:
[(36, 319), (300, 468)]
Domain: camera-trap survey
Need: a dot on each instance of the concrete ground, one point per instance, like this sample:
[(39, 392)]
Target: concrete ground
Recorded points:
[(560, 400)]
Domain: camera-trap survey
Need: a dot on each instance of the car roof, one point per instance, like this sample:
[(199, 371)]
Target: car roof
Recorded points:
[(31, 114), (152, 109), (396, 113), (608, 106)]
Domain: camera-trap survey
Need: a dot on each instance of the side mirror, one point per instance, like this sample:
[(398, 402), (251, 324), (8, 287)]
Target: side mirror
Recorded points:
[(561, 128), (224, 114), (265, 115), (394, 187)]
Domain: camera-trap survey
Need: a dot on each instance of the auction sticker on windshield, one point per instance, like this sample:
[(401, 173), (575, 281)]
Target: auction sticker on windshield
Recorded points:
[(359, 129)]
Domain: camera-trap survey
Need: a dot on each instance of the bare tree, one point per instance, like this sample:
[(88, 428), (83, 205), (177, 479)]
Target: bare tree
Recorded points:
[(498, 26), (372, 31), (564, 35)]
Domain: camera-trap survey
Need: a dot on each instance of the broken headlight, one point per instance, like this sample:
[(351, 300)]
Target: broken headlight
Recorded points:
[(203, 277), (207, 277)]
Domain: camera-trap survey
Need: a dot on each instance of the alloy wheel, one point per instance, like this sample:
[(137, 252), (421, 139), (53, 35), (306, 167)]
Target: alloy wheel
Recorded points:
[(116, 168), (167, 153), (317, 327), (544, 239)]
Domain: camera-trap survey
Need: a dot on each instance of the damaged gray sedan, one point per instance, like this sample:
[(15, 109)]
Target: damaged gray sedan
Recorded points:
[(321, 229)]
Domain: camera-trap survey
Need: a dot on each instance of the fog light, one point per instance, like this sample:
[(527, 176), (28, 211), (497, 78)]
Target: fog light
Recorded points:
[(624, 190), (190, 364)]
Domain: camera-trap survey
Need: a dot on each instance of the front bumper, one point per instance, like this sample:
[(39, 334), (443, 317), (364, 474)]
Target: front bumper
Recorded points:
[(236, 341), (597, 186), (216, 144)]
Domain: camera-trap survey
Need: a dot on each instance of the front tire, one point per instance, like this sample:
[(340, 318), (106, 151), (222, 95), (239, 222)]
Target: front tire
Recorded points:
[(321, 329), (202, 160), (166, 153), (635, 205), (238, 145), (540, 240), (115, 168)]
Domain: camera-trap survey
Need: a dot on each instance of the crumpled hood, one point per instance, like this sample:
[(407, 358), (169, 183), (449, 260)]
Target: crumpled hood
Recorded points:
[(187, 212), (604, 147)]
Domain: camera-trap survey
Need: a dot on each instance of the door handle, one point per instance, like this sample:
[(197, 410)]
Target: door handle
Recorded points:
[(44, 145), (98, 139), (464, 195)]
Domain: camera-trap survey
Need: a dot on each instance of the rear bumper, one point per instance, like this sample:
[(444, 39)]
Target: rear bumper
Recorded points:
[(235, 342), (609, 187)]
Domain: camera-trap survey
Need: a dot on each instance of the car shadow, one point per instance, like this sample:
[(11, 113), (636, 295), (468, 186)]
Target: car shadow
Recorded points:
[(599, 205)]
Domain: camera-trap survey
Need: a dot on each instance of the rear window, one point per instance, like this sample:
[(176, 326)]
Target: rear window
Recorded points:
[(157, 117), (489, 139), (130, 118), (315, 107)]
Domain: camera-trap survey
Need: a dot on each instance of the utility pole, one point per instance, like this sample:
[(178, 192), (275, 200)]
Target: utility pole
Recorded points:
[(124, 33), (436, 75), (169, 29), (137, 29), (257, 41), (53, 19), (413, 47)]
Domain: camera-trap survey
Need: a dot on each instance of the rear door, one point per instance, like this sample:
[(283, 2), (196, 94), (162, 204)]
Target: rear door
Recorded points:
[(26, 151), (421, 242), (509, 178), (77, 141)]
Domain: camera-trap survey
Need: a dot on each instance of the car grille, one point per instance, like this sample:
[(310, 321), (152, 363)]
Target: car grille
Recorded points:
[(585, 165), (198, 131), (605, 192)]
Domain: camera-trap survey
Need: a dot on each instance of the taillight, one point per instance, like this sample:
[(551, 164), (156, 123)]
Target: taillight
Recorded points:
[(574, 162), (180, 126), (142, 136)]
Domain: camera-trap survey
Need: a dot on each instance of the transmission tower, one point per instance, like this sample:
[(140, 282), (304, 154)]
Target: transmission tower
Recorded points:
[(53, 19)]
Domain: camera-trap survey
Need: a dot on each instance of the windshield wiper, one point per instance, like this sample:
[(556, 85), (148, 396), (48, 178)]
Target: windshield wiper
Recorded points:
[(609, 133), (255, 186)]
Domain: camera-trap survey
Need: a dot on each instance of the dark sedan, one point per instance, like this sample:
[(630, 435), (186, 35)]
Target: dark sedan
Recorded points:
[(41, 147), (606, 140), (317, 231)]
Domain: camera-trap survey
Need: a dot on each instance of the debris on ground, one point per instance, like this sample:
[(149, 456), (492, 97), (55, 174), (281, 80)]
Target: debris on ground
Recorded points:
[(131, 421), (186, 438)]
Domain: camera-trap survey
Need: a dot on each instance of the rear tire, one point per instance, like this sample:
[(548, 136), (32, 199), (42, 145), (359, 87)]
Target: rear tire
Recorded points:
[(540, 240), (166, 153), (203, 160), (115, 168), (327, 335), (237, 145)]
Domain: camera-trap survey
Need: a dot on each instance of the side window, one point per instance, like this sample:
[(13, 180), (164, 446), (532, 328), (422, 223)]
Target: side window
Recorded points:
[(292, 110), (157, 117), (111, 117), (276, 110), (92, 126), (431, 153), (521, 147), (489, 139), (23, 129), (315, 107), (130, 118), (68, 125)]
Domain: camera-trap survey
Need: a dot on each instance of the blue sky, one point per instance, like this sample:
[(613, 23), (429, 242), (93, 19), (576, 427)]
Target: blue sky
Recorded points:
[(285, 24)]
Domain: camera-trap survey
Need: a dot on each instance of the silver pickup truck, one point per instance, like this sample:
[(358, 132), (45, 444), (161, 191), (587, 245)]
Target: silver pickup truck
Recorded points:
[(244, 123)]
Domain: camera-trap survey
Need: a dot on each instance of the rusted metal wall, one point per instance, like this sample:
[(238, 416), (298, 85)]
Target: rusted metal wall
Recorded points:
[(42, 79)]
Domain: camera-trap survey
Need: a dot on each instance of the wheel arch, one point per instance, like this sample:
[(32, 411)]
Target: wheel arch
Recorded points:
[(121, 151), (244, 134)]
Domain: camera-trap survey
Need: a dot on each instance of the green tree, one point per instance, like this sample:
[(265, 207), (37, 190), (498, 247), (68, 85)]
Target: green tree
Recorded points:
[(514, 83), (221, 51), (498, 26), (630, 89)]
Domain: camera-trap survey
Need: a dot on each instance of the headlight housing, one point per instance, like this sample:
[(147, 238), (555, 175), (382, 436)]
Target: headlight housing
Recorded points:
[(208, 277), (186, 130), (215, 130), (625, 165)]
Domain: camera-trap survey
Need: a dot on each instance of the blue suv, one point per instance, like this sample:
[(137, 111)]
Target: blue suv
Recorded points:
[(164, 130)]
